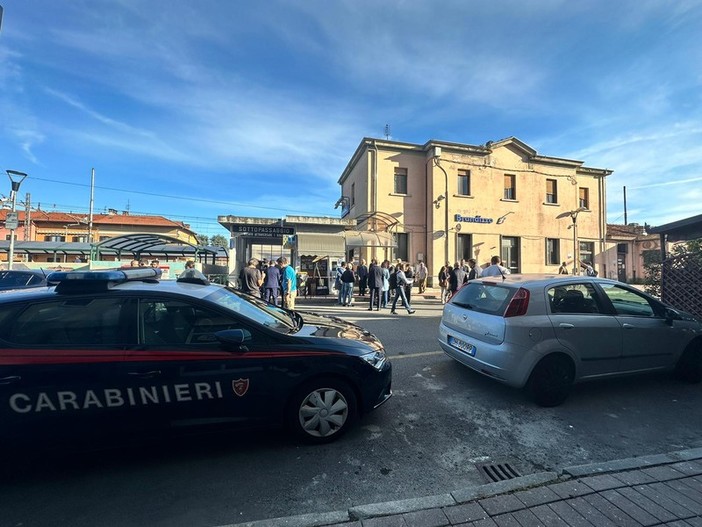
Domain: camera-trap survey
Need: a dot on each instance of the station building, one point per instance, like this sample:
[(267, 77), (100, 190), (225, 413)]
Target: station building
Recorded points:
[(443, 202)]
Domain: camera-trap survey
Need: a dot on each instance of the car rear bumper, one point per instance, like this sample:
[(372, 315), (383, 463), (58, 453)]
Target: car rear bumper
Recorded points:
[(502, 362)]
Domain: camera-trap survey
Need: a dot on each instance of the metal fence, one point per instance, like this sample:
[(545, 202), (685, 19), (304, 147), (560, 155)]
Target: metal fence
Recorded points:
[(681, 282)]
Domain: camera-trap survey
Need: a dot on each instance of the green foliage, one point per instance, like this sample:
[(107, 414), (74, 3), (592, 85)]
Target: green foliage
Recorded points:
[(653, 264), (219, 240), (202, 239)]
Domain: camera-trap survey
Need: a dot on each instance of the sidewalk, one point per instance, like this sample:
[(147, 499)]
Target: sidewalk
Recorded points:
[(663, 489)]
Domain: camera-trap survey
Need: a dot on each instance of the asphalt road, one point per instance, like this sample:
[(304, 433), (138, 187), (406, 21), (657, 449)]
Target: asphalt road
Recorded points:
[(442, 422)]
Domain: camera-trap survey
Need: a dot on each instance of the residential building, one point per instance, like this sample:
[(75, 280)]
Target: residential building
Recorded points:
[(445, 201), (628, 248)]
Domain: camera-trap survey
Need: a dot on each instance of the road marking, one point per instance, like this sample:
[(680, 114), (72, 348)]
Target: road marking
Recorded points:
[(413, 355)]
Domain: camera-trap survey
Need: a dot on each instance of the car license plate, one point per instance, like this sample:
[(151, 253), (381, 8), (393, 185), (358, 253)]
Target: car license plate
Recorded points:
[(461, 345)]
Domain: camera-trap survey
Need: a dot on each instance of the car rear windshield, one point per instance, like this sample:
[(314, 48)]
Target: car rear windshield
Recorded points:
[(492, 299)]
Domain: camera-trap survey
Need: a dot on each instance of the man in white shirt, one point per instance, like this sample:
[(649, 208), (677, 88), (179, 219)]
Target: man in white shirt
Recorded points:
[(495, 269)]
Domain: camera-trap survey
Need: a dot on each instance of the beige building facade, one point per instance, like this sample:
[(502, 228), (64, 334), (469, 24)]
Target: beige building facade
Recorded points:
[(446, 201)]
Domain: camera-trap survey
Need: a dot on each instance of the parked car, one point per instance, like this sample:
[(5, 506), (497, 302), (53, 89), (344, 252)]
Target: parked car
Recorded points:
[(547, 332), (20, 279), (119, 351)]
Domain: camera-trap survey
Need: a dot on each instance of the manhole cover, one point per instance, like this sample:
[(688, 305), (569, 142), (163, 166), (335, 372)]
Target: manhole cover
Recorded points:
[(494, 472)]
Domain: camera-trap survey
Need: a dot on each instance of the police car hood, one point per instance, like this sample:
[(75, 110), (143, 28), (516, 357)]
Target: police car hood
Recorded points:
[(315, 325)]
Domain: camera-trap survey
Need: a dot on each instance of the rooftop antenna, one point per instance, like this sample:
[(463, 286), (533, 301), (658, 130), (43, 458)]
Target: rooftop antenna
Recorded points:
[(387, 131)]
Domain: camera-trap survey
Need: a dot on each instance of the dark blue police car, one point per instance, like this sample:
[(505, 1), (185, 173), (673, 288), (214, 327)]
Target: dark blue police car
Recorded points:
[(121, 351)]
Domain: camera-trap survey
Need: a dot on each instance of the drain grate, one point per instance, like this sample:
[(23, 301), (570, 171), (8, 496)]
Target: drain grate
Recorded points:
[(494, 472)]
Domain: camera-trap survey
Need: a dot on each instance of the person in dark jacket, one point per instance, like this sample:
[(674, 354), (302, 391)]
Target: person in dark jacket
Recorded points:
[(375, 284), (362, 273), (457, 277), (409, 274), (347, 280), (271, 283)]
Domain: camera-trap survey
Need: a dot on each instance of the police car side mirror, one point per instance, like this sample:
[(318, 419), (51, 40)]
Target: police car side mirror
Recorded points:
[(670, 315), (233, 338)]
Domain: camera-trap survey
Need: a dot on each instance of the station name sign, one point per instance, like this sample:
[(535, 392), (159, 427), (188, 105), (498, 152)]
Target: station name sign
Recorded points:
[(262, 231), (473, 219)]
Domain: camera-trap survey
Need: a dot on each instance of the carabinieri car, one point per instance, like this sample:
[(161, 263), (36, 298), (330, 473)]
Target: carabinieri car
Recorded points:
[(122, 351)]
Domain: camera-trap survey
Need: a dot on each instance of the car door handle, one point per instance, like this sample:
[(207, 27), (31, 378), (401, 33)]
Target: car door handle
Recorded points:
[(628, 326), (11, 379), (145, 374), (565, 325)]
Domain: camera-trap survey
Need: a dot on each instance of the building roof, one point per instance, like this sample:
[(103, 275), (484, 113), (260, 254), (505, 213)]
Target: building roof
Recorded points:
[(682, 230), (124, 218)]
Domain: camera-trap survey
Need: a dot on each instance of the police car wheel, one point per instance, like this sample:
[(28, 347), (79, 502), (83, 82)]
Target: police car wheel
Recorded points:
[(322, 410)]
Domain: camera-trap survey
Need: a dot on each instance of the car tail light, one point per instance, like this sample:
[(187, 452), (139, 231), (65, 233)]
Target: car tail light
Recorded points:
[(519, 304)]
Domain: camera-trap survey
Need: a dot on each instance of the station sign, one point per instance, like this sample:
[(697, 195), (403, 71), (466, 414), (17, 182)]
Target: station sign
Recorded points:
[(12, 220), (473, 219), (262, 231)]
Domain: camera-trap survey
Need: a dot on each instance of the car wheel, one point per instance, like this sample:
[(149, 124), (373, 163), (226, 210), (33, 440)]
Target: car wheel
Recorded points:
[(689, 366), (551, 381), (322, 410)]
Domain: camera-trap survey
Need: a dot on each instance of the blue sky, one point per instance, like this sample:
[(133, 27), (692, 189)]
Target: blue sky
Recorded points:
[(198, 109)]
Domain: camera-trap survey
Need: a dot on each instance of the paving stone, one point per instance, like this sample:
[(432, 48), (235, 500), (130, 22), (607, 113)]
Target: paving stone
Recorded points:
[(689, 468), (348, 524), (603, 482), (537, 496), (634, 477), (677, 523), (684, 494), (526, 518), (693, 483), (487, 522), (426, 518), (506, 520), (590, 513), (611, 511), (571, 489), (385, 521), (546, 515), (669, 500), (628, 506), (663, 473), (694, 522), (501, 504), (569, 515), (467, 512), (648, 505)]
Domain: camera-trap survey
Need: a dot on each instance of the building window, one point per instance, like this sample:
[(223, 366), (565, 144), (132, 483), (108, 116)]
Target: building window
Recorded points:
[(54, 238), (353, 194), (510, 186), (464, 246), (402, 251), (464, 182), (7, 237), (81, 239), (400, 181), (587, 251), (551, 191), (553, 251), (584, 198), (510, 253)]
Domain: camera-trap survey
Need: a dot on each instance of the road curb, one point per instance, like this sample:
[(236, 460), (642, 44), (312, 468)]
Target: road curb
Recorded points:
[(468, 494)]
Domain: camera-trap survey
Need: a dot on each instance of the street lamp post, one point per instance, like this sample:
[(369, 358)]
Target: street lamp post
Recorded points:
[(16, 179), (436, 158), (573, 214)]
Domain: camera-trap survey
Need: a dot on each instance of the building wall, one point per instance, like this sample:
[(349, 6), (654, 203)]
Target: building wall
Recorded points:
[(422, 211)]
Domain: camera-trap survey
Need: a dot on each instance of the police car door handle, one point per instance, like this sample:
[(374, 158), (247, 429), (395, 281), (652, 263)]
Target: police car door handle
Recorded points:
[(145, 374), (11, 379), (565, 325)]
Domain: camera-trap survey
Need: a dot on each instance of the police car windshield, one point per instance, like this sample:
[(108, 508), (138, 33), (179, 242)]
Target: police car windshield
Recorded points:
[(253, 309)]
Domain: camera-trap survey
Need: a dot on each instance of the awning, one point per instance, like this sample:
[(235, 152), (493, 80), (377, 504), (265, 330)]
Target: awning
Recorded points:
[(318, 244), (369, 239)]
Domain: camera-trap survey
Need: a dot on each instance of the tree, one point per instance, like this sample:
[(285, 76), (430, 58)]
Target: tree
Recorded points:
[(219, 240), (202, 239)]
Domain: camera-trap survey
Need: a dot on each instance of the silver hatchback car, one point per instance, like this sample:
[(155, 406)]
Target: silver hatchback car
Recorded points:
[(547, 332)]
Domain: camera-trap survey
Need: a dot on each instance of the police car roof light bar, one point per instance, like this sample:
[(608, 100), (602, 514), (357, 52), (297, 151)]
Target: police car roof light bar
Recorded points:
[(80, 281)]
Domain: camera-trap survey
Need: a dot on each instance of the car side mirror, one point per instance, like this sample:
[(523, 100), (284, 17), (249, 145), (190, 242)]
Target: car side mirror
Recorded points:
[(671, 315), (233, 339)]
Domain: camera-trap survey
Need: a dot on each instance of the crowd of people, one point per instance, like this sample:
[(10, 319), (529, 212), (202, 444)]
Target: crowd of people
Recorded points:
[(386, 283), (270, 280)]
